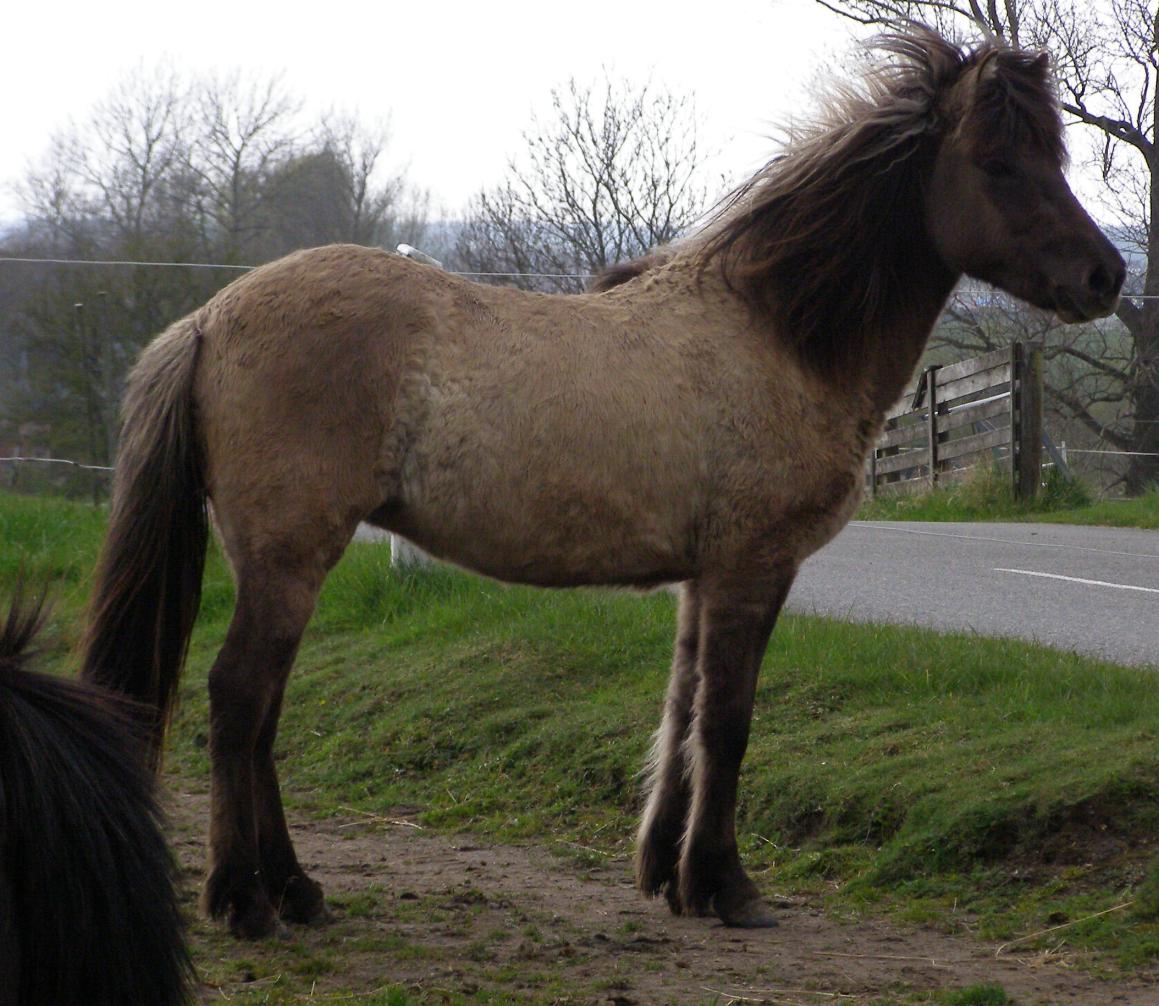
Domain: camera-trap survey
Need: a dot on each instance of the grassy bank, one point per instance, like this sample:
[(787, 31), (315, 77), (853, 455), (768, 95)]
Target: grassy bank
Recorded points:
[(947, 779), (986, 495)]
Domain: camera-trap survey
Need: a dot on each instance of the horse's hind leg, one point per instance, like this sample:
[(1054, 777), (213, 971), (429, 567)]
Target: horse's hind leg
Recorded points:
[(735, 624), (662, 824), (275, 600), (295, 896)]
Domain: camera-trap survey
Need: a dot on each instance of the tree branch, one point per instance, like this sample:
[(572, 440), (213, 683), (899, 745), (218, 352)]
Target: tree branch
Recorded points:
[(1118, 128)]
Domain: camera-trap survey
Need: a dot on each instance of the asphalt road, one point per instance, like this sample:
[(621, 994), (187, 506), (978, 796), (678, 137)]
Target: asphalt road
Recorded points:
[(1090, 589)]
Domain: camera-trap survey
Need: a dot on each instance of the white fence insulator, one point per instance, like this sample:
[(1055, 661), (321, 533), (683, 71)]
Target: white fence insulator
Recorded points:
[(409, 251)]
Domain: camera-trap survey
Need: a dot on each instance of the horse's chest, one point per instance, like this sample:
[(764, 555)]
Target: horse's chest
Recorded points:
[(820, 516), (802, 505)]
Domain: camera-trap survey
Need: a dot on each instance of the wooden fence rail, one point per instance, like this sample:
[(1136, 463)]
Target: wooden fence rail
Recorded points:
[(982, 411)]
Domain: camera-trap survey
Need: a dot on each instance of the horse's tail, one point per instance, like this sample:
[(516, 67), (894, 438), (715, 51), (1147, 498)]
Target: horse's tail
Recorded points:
[(147, 585), (88, 905)]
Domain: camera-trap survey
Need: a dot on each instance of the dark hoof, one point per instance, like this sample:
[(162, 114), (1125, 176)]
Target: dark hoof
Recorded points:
[(690, 901), (251, 916), (655, 874), (302, 903), (318, 916), (655, 866), (256, 922), (750, 914)]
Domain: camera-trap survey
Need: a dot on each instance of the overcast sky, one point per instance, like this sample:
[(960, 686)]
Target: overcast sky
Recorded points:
[(457, 80)]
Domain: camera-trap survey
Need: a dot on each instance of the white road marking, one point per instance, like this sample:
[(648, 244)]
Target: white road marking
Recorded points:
[(1001, 541), (1079, 579)]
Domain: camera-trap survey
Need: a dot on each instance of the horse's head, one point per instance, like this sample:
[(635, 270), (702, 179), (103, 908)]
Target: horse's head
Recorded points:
[(999, 208)]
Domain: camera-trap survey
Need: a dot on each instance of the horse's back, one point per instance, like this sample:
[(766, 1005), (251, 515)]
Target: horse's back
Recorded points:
[(548, 439), (343, 381)]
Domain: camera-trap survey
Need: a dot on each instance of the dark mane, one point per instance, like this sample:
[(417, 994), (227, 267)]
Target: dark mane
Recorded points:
[(622, 272), (830, 233)]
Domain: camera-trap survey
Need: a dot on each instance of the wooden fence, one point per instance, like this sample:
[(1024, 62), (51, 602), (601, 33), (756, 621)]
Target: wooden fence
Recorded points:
[(982, 411)]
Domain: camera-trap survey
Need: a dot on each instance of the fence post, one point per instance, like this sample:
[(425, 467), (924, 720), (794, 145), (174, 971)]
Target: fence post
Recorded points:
[(931, 378), (1026, 418)]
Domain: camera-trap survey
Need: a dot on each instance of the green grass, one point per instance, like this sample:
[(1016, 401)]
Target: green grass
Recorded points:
[(986, 495), (53, 540), (1140, 511), (976, 995), (949, 780)]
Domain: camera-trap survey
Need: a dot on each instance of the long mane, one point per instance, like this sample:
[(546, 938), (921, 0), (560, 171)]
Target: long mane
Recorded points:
[(826, 237)]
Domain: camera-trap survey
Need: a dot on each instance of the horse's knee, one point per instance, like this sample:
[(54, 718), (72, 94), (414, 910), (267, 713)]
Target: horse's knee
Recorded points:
[(272, 609)]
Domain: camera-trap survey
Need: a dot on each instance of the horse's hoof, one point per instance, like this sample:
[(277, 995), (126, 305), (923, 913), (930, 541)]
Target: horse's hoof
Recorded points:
[(750, 914), (693, 904), (316, 915), (302, 903), (257, 922), (656, 862)]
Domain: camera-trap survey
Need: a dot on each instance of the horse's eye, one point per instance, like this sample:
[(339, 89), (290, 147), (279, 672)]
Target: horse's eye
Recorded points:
[(999, 169)]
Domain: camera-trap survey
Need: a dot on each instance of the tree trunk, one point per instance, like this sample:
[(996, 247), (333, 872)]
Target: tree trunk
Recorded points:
[(1143, 465)]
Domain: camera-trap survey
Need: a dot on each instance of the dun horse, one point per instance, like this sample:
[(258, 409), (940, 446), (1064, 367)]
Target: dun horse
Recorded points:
[(701, 418), (88, 908)]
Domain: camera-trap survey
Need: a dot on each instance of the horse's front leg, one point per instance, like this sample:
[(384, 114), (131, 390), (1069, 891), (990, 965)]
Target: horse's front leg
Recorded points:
[(662, 824), (736, 620)]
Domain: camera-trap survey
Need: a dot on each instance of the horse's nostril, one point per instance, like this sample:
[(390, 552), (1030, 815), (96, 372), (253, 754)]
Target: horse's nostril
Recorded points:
[(1104, 283)]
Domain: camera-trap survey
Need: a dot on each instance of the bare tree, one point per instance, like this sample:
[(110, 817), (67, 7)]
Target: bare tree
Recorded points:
[(218, 170), (246, 130), (102, 190), (374, 203), (614, 172), (1106, 63), (124, 158), (337, 189)]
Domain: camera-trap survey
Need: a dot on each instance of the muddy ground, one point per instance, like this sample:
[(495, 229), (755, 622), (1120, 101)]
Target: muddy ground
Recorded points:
[(455, 917)]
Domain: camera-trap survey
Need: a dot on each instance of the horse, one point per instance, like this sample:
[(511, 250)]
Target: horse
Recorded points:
[(701, 418), (88, 903)]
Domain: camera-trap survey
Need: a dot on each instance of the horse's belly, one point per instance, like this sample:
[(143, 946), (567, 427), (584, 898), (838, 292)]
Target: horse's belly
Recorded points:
[(541, 535)]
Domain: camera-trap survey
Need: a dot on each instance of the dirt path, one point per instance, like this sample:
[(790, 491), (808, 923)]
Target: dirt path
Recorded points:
[(452, 914)]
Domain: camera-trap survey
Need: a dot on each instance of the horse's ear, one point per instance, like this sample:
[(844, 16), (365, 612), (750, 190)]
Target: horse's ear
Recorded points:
[(986, 81), (1041, 64), (988, 68), (1037, 64)]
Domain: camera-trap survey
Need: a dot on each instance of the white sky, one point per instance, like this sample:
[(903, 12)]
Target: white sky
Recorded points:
[(458, 80)]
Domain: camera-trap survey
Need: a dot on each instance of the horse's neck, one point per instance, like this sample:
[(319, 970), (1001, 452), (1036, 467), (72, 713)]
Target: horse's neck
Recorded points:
[(902, 340), (683, 287), (891, 352)]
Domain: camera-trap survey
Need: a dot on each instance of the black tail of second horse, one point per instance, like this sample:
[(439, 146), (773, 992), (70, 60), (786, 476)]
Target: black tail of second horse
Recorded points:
[(88, 904)]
